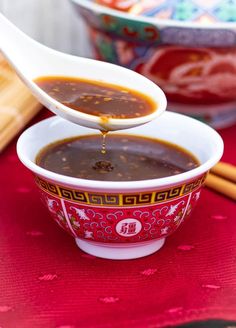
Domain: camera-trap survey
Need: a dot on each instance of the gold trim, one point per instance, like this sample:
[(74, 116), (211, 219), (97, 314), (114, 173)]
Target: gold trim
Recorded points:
[(126, 199)]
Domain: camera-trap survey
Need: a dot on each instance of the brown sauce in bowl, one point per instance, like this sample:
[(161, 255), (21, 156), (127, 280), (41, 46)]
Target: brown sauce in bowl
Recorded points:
[(128, 158)]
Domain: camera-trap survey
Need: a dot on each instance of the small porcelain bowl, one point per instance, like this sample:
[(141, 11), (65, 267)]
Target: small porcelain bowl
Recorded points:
[(122, 220)]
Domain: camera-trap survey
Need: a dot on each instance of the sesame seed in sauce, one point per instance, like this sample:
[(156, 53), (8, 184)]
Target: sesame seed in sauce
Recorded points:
[(177, 172), (141, 161), (116, 101), (190, 164), (123, 158)]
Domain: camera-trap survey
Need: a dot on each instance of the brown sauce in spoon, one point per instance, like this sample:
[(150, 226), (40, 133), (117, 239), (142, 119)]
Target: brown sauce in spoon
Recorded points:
[(97, 98)]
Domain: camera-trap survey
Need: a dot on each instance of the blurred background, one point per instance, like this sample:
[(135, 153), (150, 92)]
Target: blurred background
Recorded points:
[(193, 64), (42, 21)]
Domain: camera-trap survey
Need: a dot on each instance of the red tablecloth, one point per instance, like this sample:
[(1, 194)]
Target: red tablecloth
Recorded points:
[(46, 281)]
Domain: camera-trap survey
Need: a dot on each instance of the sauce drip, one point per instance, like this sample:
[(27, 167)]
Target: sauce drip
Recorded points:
[(103, 149)]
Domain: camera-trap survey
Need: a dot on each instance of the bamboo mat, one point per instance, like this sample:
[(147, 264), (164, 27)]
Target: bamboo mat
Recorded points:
[(17, 105)]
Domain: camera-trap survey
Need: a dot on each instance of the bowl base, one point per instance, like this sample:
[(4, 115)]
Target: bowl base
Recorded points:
[(120, 251)]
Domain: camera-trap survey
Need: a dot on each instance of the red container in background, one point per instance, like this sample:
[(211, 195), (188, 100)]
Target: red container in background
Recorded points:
[(188, 49)]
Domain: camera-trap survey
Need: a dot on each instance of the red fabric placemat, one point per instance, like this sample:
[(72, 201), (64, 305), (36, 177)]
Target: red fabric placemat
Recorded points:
[(46, 281)]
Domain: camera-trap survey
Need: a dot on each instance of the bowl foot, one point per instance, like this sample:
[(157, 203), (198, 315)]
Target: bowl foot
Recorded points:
[(120, 251)]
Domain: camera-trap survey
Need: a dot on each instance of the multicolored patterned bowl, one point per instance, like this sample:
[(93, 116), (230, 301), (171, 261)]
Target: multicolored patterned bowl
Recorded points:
[(123, 220), (187, 47)]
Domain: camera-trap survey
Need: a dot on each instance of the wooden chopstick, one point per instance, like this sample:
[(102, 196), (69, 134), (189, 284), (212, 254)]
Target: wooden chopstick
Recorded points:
[(225, 170), (222, 178), (17, 105), (11, 130)]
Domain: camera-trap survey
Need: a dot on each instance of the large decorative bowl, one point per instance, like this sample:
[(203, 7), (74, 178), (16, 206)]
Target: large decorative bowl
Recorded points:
[(187, 47)]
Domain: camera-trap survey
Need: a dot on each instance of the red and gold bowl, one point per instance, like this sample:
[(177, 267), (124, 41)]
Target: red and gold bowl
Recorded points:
[(122, 220), (192, 61)]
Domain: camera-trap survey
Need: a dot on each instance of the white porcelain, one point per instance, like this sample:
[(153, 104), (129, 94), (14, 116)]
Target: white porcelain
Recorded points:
[(204, 142), (161, 22), (120, 251), (31, 60)]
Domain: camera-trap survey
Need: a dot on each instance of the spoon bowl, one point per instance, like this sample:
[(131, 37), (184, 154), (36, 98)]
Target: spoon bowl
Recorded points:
[(32, 60)]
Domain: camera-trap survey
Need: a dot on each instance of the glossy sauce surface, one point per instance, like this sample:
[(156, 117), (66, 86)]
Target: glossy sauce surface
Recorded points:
[(97, 98), (128, 158)]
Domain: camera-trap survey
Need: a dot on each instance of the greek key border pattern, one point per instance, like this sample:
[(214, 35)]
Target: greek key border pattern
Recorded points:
[(129, 199)]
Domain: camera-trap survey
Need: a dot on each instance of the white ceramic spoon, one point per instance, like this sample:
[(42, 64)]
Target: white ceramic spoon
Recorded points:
[(31, 60)]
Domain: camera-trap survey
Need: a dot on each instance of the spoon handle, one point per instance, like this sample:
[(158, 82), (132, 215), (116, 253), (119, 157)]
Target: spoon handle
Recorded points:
[(18, 48)]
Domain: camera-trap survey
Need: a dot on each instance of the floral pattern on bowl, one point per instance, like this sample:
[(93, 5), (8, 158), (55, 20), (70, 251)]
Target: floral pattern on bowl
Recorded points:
[(182, 10), (198, 74)]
